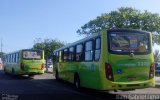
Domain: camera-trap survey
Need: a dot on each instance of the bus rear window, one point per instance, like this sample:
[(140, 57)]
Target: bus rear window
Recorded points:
[(126, 42), (32, 54)]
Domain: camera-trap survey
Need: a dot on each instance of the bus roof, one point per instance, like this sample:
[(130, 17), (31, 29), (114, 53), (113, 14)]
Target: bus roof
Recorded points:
[(78, 42), (98, 34), (20, 50), (130, 30)]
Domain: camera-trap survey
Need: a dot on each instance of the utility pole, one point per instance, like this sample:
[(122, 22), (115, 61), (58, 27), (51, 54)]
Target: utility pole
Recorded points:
[(1, 56), (1, 45)]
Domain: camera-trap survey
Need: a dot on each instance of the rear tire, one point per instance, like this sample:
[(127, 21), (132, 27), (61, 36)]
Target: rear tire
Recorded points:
[(5, 71), (57, 75), (31, 76), (13, 72), (77, 82)]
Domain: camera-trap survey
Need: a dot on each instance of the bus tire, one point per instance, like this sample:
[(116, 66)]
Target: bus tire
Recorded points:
[(5, 71), (77, 82), (13, 72), (57, 75), (30, 75)]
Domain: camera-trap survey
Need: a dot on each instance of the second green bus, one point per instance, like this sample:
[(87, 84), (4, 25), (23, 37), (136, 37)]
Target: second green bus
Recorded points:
[(25, 62)]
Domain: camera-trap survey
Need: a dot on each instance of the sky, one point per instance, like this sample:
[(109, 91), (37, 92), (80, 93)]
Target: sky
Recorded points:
[(23, 21)]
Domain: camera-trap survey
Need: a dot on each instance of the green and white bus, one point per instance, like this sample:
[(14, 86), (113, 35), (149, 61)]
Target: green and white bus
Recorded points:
[(115, 59), (25, 62)]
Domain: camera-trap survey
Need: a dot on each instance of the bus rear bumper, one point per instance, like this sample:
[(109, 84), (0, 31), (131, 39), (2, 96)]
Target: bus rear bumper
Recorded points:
[(32, 72), (130, 85)]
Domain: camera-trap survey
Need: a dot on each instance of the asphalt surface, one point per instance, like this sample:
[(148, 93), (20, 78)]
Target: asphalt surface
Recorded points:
[(45, 87)]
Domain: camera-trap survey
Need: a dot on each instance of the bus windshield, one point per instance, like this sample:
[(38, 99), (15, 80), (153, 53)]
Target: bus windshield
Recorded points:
[(126, 42), (32, 54)]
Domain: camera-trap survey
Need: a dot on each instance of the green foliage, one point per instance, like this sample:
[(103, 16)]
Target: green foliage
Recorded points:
[(156, 56), (156, 38), (124, 17), (48, 45)]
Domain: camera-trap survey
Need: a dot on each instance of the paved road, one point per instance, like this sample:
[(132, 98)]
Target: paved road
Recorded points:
[(45, 87)]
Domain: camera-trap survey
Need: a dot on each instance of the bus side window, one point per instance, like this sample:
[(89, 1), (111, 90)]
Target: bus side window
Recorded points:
[(14, 58), (5, 60), (71, 54), (79, 52), (97, 49), (89, 50), (57, 56), (18, 57), (11, 58), (54, 57), (8, 58), (65, 55)]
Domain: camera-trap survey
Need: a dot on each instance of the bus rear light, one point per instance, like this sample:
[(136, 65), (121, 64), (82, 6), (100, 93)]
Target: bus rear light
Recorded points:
[(22, 66), (151, 72), (42, 66), (108, 71)]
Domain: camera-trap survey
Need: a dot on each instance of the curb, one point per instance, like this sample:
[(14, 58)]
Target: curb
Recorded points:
[(157, 79), (48, 72), (157, 84)]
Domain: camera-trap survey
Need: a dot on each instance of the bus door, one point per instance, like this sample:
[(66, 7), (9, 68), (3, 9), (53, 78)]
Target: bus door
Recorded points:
[(61, 66)]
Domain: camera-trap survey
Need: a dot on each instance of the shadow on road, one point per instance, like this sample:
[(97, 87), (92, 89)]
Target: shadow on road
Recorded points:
[(97, 95), (45, 87), (8, 76)]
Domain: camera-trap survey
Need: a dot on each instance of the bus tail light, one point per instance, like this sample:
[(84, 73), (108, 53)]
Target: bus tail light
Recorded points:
[(109, 73), (22, 66), (42, 66), (151, 72)]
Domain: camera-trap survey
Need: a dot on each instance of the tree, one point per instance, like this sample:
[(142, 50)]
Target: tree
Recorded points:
[(124, 17), (156, 56), (48, 45)]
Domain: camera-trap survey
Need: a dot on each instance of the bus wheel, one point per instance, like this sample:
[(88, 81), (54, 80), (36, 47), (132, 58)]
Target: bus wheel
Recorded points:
[(56, 75), (5, 71), (13, 72), (31, 75), (77, 82)]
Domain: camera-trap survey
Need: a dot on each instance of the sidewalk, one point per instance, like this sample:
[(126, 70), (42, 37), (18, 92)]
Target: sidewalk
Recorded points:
[(157, 79), (50, 70)]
